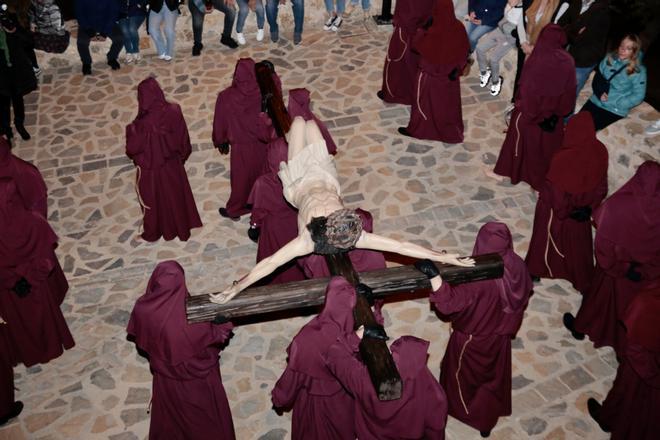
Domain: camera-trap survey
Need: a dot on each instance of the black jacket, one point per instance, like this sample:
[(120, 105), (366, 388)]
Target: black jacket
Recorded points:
[(19, 79), (157, 5), (589, 46)]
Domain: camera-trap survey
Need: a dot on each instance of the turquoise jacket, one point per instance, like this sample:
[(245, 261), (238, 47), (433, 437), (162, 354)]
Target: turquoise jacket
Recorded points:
[(626, 91)]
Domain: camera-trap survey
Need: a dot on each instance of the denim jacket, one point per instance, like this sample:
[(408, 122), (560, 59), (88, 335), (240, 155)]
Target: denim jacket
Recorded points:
[(626, 91)]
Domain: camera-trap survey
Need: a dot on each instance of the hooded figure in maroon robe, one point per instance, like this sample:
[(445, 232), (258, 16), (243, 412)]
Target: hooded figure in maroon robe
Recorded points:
[(158, 142), (322, 409), (401, 61), (576, 183), (237, 122), (627, 247), (29, 182), (420, 413), (29, 299), (632, 406), (485, 315), (546, 94), (188, 400), (363, 260), (276, 220), (299, 105), (436, 112)]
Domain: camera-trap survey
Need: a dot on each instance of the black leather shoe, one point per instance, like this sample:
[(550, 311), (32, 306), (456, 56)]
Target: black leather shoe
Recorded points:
[(253, 233), (114, 64), (380, 95), (427, 268), (223, 212), (536, 279), (87, 69), (569, 323), (229, 42), (23, 132), (197, 49), (404, 131), (15, 411), (485, 434), (594, 411)]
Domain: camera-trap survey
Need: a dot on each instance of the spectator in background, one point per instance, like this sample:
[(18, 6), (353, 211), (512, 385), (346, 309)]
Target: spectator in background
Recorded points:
[(243, 9), (97, 19), (483, 16), (627, 84), (163, 13), (366, 8), (298, 7), (335, 9), (132, 16), (199, 8)]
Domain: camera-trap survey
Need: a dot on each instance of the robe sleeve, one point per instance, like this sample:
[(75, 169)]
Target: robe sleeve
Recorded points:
[(220, 124), (220, 333), (286, 389), (33, 190), (449, 300), (645, 364), (607, 256), (259, 209), (343, 364), (8, 278), (134, 146), (185, 148)]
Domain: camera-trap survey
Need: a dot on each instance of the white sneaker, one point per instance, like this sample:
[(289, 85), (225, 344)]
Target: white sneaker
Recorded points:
[(138, 57), (496, 87), (129, 58), (336, 24), (349, 9), (484, 77), (653, 129), (260, 34), (167, 58), (328, 24), (240, 38), (162, 56)]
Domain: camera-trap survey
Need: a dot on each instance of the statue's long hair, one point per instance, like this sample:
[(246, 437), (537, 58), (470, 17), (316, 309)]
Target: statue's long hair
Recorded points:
[(271, 96)]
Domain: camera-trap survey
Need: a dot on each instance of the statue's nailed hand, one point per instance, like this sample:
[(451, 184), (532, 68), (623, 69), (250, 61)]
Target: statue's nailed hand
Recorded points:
[(226, 295), (456, 260)]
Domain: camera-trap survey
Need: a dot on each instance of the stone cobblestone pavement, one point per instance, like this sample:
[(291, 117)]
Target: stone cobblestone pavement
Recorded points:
[(427, 192)]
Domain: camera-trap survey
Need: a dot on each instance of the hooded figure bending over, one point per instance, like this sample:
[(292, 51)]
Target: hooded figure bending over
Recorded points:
[(325, 225)]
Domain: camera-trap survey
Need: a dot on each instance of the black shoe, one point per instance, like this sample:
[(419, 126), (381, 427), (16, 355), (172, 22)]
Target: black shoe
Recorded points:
[(380, 95), (197, 49), (223, 212), (485, 434), (253, 233), (87, 69), (594, 411), (536, 279), (229, 42), (15, 411), (23, 132), (427, 267), (404, 131), (569, 323), (114, 64)]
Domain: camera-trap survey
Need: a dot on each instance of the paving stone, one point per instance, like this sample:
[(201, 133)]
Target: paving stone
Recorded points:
[(533, 425)]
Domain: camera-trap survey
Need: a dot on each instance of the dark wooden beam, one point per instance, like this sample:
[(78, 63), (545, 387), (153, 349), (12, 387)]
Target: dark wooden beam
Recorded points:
[(301, 294)]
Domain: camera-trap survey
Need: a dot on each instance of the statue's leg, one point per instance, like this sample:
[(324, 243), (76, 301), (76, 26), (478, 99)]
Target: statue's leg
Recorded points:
[(296, 136), (312, 133)]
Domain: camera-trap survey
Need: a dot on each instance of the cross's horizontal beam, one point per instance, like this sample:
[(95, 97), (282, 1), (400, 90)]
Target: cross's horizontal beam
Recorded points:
[(300, 294)]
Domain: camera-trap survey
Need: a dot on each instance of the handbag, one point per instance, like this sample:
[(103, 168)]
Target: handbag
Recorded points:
[(600, 84)]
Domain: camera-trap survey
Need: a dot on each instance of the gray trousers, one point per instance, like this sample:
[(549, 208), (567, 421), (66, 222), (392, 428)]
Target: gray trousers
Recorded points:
[(491, 48)]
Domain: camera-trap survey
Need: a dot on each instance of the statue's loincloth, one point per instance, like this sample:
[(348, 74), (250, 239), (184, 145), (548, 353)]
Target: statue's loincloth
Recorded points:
[(336, 233)]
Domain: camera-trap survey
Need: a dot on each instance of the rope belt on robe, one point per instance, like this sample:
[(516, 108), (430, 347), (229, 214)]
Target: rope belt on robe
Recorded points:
[(515, 154), (458, 382), (390, 60), (419, 84), (549, 240), (143, 206)]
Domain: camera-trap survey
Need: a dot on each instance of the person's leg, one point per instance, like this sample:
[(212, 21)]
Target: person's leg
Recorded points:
[(155, 21), (298, 7), (341, 7), (125, 28), (476, 33), (602, 118), (19, 116), (197, 23), (134, 35), (230, 18), (170, 18), (330, 7), (243, 10), (482, 49), (501, 48), (115, 47), (259, 10), (5, 116), (581, 76), (82, 43), (271, 16)]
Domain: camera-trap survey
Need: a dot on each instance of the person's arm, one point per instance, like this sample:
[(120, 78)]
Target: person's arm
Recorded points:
[(376, 242), (635, 95), (299, 246), (220, 134), (286, 389), (184, 141)]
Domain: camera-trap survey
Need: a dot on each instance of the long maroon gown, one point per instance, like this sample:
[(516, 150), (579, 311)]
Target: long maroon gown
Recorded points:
[(29, 182), (485, 315), (436, 112), (36, 327), (275, 218), (420, 413), (299, 105), (188, 400), (400, 69), (322, 409), (627, 242), (561, 245), (546, 90), (158, 143), (237, 121), (632, 406)]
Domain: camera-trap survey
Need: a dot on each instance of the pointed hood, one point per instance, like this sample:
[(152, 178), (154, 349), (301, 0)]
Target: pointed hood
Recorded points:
[(300, 105), (641, 318), (446, 41), (245, 77), (340, 301), (150, 96), (410, 355), (411, 14)]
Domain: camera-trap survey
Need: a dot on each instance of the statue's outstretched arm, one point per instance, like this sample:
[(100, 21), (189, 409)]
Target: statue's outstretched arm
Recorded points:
[(299, 246), (384, 244)]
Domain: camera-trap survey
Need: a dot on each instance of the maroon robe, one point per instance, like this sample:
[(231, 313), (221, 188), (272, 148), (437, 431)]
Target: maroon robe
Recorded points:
[(485, 315), (275, 218), (36, 327), (29, 182), (400, 69), (436, 112), (627, 233), (188, 399), (420, 413), (547, 89), (322, 409), (237, 121), (561, 246), (6, 373), (632, 406), (159, 144), (363, 260), (299, 105)]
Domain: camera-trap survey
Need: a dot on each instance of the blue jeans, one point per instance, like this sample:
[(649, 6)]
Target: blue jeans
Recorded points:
[(129, 28), (243, 12), (581, 75), (198, 19), (341, 6), (298, 7), (167, 18), (476, 31), (366, 4)]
